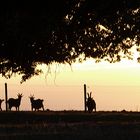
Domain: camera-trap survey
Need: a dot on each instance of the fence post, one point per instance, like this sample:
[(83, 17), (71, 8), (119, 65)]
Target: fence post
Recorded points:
[(85, 92), (6, 97)]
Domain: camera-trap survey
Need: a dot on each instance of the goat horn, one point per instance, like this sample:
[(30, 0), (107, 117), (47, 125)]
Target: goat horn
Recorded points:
[(90, 94)]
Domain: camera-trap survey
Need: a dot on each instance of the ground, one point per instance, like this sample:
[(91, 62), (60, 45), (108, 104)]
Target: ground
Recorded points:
[(69, 125)]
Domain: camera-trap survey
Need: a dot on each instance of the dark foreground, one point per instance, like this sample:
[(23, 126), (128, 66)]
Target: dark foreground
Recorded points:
[(69, 125)]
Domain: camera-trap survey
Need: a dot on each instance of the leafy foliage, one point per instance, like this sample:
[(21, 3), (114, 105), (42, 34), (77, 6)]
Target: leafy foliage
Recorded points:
[(61, 31)]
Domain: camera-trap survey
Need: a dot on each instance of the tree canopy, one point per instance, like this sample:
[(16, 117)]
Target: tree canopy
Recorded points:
[(61, 31)]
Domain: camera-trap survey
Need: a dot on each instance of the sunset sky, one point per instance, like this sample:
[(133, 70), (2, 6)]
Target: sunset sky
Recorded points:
[(114, 86)]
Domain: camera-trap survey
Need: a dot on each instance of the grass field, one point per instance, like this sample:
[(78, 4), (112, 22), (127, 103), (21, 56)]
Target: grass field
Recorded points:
[(69, 125)]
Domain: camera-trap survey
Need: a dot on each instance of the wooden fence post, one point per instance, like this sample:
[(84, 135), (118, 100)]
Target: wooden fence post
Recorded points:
[(6, 96), (85, 97)]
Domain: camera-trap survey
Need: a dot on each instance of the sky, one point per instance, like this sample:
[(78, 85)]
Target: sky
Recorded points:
[(114, 86)]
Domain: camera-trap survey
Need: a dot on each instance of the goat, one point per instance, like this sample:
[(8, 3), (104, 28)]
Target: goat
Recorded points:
[(15, 102), (36, 104), (91, 104), (1, 100)]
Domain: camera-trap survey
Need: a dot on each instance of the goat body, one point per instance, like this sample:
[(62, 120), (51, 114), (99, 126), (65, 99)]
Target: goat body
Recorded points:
[(37, 104), (1, 100), (91, 105), (14, 103)]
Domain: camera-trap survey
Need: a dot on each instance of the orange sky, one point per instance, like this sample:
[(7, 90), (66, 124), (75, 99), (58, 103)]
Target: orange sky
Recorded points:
[(114, 86)]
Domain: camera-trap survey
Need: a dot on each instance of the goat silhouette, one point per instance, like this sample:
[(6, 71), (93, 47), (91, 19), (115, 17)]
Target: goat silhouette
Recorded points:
[(1, 100), (15, 102), (91, 104), (36, 104)]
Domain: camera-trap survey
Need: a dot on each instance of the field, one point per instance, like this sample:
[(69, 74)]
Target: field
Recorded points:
[(69, 125)]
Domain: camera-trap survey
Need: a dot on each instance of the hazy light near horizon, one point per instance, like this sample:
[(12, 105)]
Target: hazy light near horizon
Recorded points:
[(114, 86)]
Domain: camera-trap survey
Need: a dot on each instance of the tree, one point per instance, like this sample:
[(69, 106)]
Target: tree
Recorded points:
[(61, 31)]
